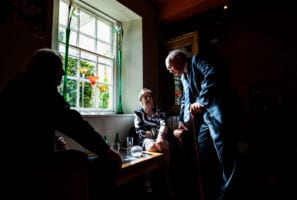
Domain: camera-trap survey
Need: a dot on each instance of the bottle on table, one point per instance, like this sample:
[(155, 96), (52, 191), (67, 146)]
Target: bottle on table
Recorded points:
[(117, 138), (105, 139)]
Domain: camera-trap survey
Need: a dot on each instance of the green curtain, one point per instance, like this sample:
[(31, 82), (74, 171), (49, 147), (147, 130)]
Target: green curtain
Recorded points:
[(70, 13), (119, 31), (66, 63)]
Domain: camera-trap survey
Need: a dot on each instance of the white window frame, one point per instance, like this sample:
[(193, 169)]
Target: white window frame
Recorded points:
[(60, 46)]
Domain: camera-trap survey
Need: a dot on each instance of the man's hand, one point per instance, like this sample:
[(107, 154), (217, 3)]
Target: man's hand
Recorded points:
[(162, 146), (61, 143), (196, 108), (182, 126), (178, 133), (188, 125)]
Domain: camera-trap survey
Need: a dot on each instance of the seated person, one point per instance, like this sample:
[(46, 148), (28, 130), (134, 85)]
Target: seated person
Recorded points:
[(31, 111), (152, 133), (150, 124)]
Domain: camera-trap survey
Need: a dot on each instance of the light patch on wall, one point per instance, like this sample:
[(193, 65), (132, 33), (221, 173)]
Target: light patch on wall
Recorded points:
[(214, 40)]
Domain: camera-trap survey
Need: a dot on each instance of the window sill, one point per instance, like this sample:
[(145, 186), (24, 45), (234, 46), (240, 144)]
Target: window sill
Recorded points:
[(102, 114)]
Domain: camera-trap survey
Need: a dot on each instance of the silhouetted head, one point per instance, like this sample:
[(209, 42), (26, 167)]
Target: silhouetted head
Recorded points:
[(47, 63)]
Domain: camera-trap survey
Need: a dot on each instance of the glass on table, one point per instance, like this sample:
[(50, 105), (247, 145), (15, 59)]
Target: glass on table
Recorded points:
[(129, 144), (136, 151)]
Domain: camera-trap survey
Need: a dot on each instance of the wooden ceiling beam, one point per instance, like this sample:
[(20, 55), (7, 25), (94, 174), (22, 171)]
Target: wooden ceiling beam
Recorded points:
[(175, 10)]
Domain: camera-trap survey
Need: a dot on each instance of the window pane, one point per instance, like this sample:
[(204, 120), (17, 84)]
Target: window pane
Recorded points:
[(90, 55), (108, 75), (104, 74), (104, 31), (88, 96), (74, 21), (63, 13), (87, 24), (71, 92), (62, 35), (104, 49), (73, 52), (104, 96), (61, 49), (87, 43), (73, 38), (88, 67), (72, 66), (105, 61), (83, 90)]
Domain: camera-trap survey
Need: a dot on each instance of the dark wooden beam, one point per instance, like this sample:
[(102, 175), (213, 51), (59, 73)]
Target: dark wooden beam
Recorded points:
[(176, 10)]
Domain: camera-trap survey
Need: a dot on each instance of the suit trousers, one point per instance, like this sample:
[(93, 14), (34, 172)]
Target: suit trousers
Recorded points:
[(217, 159)]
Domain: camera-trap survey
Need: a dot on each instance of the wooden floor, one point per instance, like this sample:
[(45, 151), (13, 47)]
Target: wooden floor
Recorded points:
[(138, 189)]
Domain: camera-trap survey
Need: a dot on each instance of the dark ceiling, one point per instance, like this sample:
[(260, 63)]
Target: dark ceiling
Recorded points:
[(170, 11)]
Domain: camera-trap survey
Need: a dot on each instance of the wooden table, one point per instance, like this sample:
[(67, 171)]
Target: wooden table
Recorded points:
[(139, 167)]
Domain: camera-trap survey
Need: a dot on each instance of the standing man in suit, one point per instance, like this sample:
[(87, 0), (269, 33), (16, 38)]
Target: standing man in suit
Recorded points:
[(208, 108)]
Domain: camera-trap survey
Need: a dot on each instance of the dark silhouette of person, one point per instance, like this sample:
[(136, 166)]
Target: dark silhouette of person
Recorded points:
[(32, 110)]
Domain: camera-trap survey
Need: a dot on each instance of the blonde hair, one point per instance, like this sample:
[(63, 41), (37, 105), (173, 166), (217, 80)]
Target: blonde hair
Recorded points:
[(144, 91)]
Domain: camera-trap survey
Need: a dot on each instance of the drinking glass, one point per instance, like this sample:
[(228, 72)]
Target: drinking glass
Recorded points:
[(129, 144)]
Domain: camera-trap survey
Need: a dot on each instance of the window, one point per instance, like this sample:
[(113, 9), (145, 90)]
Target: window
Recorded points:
[(90, 79)]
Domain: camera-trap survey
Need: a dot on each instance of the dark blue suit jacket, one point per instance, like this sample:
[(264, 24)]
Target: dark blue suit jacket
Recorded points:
[(209, 86)]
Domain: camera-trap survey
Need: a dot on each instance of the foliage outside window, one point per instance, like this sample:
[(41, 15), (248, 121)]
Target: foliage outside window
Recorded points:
[(91, 66)]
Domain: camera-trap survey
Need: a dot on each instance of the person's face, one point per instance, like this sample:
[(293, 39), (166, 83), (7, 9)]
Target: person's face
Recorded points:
[(175, 66), (146, 100), (175, 71)]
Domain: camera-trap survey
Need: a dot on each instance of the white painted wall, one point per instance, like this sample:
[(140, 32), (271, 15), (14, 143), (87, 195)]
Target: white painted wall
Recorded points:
[(132, 65), (107, 125)]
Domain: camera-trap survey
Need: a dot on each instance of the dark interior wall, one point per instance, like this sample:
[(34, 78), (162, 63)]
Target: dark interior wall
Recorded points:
[(256, 39), (23, 29)]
